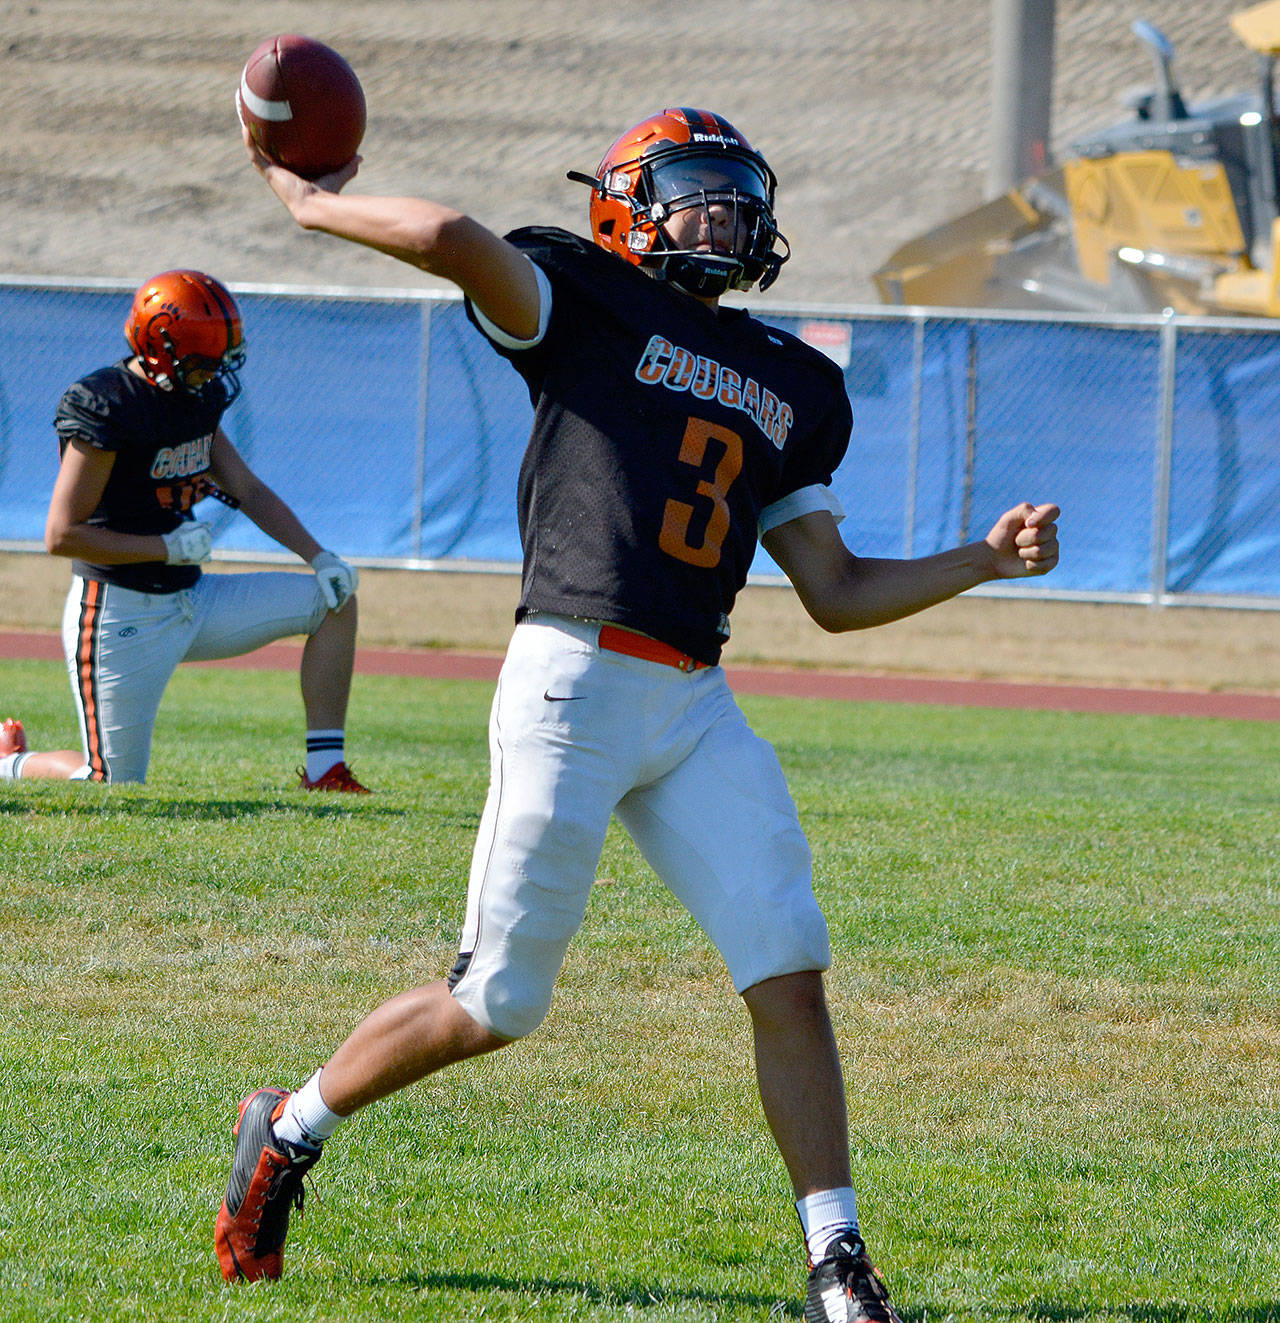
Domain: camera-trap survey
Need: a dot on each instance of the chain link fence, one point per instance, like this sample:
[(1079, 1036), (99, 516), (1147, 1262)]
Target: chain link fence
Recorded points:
[(393, 430)]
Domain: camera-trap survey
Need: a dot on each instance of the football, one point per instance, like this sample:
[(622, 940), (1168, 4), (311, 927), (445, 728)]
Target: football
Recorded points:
[(302, 104)]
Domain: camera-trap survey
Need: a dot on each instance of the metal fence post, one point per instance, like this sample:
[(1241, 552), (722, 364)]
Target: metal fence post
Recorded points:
[(420, 476), (913, 437), (1162, 478), (970, 429)]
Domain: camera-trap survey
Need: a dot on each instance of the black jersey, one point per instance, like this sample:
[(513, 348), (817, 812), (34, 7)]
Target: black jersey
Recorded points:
[(162, 441), (662, 429)]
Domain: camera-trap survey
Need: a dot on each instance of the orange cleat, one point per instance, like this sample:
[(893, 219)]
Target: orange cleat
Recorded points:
[(264, 1188)]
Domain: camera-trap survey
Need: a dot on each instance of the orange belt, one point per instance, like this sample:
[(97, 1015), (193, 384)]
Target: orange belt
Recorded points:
[(630, 644)]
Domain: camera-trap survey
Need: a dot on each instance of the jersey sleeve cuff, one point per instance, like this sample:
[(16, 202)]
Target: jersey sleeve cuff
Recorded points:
[(501, 337), (807, 500)]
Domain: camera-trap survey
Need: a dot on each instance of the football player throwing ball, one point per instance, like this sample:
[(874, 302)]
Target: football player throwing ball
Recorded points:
[(670, 433)]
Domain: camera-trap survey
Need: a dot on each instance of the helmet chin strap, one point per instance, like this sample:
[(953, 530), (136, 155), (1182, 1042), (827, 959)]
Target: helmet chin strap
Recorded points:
[(703, 277), (153, 374)]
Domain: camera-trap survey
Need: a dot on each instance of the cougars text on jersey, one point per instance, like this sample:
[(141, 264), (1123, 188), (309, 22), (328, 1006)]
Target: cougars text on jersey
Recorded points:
[(680, 369), (183, 460)]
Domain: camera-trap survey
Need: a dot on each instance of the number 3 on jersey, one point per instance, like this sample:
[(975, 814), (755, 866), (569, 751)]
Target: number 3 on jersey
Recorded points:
[(677, 515)]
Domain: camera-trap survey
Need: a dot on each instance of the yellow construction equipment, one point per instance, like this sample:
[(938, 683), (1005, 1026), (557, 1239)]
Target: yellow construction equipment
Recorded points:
[(1177, 207)]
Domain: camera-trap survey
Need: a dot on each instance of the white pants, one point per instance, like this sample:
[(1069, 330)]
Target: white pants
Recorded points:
[(122, 647), (578, 733)]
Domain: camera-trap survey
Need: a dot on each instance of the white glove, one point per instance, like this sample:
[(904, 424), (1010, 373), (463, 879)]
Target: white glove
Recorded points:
[(337, 579), (189, 544)]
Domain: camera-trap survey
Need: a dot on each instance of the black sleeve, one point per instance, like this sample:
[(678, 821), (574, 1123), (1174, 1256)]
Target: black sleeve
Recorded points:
[(531, 361), (815, 459), (86, 413)]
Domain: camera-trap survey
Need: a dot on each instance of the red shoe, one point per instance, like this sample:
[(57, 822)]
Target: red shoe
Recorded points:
[(13, 739), (338, 777), (265, 1186)]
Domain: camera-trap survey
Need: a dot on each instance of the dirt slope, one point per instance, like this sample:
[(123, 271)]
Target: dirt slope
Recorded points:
[(120, 154)]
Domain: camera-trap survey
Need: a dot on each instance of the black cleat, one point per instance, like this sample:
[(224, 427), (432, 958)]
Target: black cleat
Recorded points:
[(845, 1287)]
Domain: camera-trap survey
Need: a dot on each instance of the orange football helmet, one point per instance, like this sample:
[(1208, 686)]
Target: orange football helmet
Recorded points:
[(684, 158), (183, 322)]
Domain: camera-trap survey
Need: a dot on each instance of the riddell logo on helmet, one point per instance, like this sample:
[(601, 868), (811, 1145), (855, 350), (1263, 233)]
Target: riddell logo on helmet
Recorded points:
[(679, 369)]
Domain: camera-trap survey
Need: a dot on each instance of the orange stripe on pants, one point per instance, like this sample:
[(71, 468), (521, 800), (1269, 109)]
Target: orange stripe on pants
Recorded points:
[(90, 609)]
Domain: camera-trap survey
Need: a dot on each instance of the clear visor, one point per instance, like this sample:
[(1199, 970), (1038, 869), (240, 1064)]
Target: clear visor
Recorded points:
[(688, 177)]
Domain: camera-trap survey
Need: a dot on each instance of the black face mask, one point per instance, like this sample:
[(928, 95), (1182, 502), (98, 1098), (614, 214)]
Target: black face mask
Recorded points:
[(743, 187), (225, 373)]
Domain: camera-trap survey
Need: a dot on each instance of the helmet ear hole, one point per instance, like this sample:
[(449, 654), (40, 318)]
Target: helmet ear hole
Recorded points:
[(606, 227)]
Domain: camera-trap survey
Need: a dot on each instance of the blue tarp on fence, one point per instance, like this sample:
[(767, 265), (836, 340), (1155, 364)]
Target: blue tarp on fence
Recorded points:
[(396, 433)]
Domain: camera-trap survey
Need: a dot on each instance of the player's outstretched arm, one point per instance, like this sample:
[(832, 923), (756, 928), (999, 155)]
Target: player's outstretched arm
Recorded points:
[(842, 591), (496, 276)]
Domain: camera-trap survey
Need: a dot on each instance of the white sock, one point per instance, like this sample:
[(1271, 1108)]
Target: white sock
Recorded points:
[(11, 766), (306, 1118), (825, 1215), (325, 749)]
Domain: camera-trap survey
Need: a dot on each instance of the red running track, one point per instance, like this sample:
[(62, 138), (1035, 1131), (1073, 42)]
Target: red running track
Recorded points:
[(795, 683)]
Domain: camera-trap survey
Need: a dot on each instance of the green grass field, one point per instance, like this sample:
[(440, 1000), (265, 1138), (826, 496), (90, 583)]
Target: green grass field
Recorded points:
[(1057, 988)]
